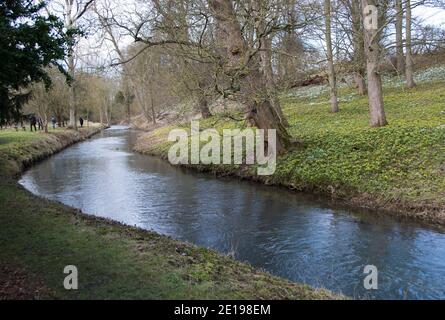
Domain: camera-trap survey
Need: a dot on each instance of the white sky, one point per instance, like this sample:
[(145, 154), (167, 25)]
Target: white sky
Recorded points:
[(431, 16)]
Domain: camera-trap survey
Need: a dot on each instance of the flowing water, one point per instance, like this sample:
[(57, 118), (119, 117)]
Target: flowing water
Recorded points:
[(295, 236)]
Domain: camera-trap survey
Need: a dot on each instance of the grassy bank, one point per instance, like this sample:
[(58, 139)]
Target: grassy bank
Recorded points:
[(38, 238), (20, 149), (399, 168)]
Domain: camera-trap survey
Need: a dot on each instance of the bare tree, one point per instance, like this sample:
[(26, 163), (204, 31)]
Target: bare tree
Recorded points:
[(349, 44), (331, 69), (213, 30), (399, 37), (409, 72), (73, 11), (175, 25), (96, 96), (242, 66), (359, 46), (106, 19), (50, 101), (373, 53), (38, 103), (262, 9)]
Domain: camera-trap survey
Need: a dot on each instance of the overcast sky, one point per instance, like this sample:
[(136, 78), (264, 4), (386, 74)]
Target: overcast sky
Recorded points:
[(431, 16)]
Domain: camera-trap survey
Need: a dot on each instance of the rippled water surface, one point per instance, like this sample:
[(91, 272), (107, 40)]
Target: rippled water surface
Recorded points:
[(291, 235)]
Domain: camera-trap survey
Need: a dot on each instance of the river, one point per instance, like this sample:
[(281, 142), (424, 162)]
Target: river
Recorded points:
[(296, 236)]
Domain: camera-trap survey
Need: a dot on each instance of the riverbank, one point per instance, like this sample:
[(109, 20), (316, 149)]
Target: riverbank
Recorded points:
[(399, 169), (20, 149), (38, 238)]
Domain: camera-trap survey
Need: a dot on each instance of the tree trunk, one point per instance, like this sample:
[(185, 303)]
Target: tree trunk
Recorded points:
[(266, 68), (359, 79), (137, 94), (109, 111), (128, 107), (153, 113), (409, 59), (45, 122), (359, 48), (59, 121), (107, 119), (373, 55), (331, 69), (70, 24), (244, 71), (204, 107), (399, 38), (203, 100), (72, 92)]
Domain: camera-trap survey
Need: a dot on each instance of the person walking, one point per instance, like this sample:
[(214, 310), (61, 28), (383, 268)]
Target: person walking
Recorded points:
[(33, 122), (81, 122), (53, 121)]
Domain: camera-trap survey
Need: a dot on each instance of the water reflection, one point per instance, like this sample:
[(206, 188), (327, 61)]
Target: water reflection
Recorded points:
[(287, 234)]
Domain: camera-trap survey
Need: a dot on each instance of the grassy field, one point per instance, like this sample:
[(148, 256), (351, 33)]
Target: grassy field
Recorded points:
[(399, 168), (38, 238)]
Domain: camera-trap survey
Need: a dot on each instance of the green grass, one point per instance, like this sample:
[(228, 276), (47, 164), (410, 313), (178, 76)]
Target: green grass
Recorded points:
[(400, 167), (19, 149), (39, 238), (12, 136), (400, 163)]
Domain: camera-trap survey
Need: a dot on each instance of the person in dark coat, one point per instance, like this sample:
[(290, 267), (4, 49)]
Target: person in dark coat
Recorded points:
[(81, 122), (40, 123), (53, 121), (33, 122)]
